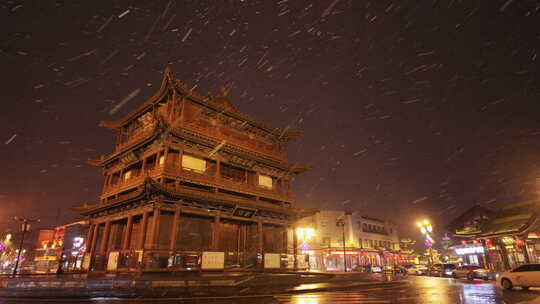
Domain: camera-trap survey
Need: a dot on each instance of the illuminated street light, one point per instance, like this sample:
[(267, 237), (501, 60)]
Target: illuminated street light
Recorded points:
[(426, 228)]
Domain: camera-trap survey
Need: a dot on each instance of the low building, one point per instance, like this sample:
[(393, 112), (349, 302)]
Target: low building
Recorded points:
[(508, 238), (465, 229), (336, 240), (61, 249)]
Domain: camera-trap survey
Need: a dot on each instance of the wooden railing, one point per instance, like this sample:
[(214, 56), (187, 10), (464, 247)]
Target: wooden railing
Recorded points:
[(247, 144), (211, 180), (135, 138)]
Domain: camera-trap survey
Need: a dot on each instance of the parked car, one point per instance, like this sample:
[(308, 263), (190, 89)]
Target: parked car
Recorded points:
[(400, 269), (442, 270), (470, 272), (417, 269), (524, 276)]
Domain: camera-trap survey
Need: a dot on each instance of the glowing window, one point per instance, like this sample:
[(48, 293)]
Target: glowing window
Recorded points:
[(161, 160), (127, 175), (265, 181), (193, 163)]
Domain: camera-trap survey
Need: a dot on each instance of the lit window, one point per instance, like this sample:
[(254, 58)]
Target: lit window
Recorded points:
[(127, 175), (265, 181), (161, 160), (193, 163)]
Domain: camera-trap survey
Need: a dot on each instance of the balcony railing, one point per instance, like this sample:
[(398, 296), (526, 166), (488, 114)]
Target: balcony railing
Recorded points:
[(205, 179), (136, 137), (248, 144)]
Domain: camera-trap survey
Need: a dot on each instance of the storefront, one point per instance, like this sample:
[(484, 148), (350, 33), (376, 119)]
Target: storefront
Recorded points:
[(471, 253)]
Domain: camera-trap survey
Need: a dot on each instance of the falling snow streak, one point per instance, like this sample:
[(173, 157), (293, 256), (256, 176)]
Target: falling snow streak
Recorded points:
[(505, 5), (124, 101), (328, 10), (83, 55), (187, 35), (102, 27), (7, 142), (123, 14)]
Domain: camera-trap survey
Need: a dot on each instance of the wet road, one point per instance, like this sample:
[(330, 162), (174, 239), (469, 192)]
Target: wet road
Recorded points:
[(419, 290)]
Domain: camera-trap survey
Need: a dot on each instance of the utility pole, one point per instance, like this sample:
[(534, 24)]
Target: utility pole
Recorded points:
[(25, 227)]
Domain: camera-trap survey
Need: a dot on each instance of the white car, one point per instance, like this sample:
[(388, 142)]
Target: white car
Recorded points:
[(470, 272), (417, 269), (524, 276)]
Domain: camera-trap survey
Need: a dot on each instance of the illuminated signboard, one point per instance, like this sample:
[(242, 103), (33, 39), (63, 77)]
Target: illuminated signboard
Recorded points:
[(469, 250)]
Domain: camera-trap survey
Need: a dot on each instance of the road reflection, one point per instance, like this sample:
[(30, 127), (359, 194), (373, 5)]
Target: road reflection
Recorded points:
[(479, 293)]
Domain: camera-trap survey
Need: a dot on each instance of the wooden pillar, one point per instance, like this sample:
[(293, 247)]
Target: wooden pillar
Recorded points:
[(215, 234), (174, 228), (90, 237), (218, 168), (504, 255), (143, 166), (144, 223), (154, 232), (260, 238), (260, 249), (180, 156), (295, 248), (94, 238), (105, 238), (127, 233)]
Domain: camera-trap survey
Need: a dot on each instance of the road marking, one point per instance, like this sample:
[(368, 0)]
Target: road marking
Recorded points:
[(336, 297)]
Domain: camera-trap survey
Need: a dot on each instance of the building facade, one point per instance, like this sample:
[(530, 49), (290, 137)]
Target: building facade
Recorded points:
[(189, 176), (500, 240), (340, 240)]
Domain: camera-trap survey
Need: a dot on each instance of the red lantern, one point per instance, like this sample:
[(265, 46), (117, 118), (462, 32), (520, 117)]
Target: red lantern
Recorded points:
[(464, 242), (520, 242), (475, 242)]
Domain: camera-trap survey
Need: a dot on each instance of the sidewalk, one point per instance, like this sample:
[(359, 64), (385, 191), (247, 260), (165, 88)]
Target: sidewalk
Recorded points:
[(186, 285)]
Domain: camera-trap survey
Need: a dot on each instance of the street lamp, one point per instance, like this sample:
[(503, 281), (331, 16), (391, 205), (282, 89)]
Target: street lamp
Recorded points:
[(341, 223), (426, 228), (25, 227)]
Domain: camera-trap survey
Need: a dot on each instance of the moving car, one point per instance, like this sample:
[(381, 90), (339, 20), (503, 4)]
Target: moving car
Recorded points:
[(442, 270), (417, 269), (524, 276), (470, 272)]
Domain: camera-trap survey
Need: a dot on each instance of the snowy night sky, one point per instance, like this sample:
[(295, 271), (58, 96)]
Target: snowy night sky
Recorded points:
[(410, 108)]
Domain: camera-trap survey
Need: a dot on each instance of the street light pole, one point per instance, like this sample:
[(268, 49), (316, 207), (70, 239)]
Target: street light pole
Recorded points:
[(341, 222), (25, 227), (426, 228)]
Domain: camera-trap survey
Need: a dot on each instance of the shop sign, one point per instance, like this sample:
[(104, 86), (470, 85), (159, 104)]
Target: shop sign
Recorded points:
[(470, 250), (507, 240)]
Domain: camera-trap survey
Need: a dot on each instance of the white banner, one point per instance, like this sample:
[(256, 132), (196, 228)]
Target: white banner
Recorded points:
[(272, 260), (112, 262), (213, 260)]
